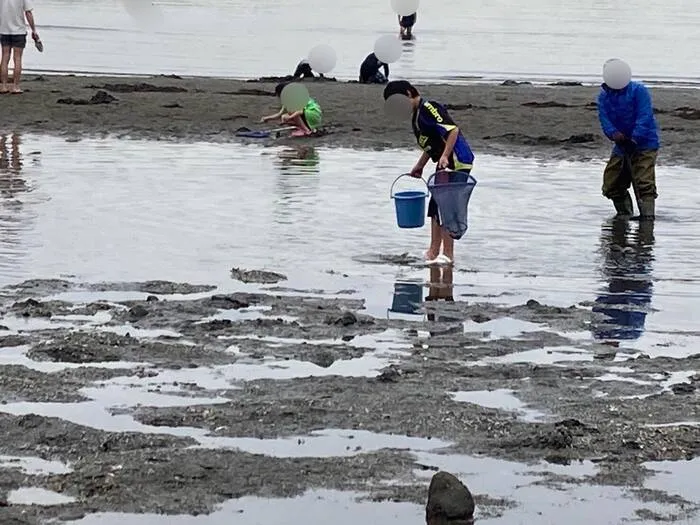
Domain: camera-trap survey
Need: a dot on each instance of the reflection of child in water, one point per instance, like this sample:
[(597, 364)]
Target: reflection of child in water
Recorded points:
[(441, 286), (306, 120)]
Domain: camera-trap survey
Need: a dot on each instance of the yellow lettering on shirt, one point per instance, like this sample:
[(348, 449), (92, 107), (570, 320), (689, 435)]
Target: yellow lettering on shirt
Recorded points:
[(433, 111)]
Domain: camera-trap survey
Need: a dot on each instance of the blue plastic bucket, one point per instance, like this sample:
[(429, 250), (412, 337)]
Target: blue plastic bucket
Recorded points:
[(410, 206), (408, 298)]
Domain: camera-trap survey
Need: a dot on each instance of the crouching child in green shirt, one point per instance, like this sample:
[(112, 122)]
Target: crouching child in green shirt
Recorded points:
[(306, 121)]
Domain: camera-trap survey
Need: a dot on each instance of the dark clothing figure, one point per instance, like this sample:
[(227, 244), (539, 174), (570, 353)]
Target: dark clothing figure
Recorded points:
[(627, 118), (406, 24), (303, 70), (369, 71), (627, 268)]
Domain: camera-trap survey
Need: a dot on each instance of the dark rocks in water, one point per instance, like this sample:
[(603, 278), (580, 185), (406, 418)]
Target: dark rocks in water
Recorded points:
[(257, 276), (101, 97), (391, 374), (515, 83), (140, 87), (683, 389), (152, 287), (138, 312), (227, 302), (152, 299), (480, 318), (80, 347), (31, 308), (322, 358), (449, 501), (345, 319), (174, 105), (216, 325)]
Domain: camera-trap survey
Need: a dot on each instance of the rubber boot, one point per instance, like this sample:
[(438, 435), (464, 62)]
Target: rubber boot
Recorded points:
[(647, 209), (624, 206)]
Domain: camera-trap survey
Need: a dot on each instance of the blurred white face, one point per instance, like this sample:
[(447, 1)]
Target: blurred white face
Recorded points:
[(617, 73)]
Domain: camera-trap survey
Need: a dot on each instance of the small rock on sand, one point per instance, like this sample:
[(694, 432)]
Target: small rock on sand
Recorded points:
[(449, 501)]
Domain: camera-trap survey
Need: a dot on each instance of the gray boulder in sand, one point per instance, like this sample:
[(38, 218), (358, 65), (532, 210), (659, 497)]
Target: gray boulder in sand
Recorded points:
[(449, 501)]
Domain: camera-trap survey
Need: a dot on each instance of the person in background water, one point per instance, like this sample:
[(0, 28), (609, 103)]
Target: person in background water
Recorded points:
[(307, 120), (406, 24), (13, 39), (369, 71), (627, 118), (442, 142), (304, 70)]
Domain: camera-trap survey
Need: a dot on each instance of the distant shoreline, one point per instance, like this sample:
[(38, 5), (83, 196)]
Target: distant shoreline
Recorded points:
[(545, 122), (458, 80)]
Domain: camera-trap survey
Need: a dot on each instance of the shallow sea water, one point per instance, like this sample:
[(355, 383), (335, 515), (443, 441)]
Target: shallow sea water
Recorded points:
[(540, 39), (109, 210)]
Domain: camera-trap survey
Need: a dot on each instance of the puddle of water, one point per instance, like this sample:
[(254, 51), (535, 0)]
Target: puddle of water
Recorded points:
[(504, 327), (539, 504), (676, 477), (332, 442), (501, 399), (576, 259), (37, 496), (248, 314), (314, 507), (17, 355), (666, 382), (620, 378), (33, 466), (540, 356)]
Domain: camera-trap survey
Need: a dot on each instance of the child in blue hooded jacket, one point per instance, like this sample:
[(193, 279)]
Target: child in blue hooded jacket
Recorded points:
[(627, 118)]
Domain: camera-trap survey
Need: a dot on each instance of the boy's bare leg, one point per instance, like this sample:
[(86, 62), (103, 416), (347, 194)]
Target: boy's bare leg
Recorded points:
[(17, 71), (448, 245), (4, 65), (298, 123), (435, 238)]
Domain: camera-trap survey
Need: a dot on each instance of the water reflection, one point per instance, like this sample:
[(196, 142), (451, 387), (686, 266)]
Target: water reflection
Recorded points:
[(627, 266), (408, 297), (12, 184), (296, 184), (441, 288)]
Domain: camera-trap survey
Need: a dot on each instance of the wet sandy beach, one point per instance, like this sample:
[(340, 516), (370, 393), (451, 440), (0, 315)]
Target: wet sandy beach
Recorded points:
[(548, 122), (185, 398)]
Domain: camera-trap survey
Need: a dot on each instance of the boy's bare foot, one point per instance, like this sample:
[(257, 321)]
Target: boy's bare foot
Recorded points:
[(16, 91), (431, 255), (4, 90)]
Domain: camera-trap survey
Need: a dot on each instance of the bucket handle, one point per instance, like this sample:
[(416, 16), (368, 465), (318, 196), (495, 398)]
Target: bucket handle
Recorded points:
[(391, 191)]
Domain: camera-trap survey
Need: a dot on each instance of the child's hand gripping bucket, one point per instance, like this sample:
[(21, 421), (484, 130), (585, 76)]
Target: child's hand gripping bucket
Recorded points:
[(410, 205)]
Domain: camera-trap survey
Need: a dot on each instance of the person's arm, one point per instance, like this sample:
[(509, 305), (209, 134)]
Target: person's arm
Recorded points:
[(645, 114), (450, 142), (273, 117), (29, 15), (609, 130), (292, 115), (386, 70), (417, 170)]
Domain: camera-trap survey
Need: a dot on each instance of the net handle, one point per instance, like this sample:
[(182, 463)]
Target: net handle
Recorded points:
[(391, 190), (471, 181)]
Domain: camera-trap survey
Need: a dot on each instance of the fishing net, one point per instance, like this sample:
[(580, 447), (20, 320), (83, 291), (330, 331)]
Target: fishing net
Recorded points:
[(451, 191)]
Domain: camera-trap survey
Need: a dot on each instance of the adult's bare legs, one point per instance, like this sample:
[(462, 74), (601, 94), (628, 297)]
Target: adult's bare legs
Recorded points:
[(4, 66), (17, 53)]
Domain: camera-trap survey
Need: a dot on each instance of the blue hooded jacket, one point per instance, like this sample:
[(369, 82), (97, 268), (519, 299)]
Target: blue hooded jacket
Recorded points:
[(629, 111)]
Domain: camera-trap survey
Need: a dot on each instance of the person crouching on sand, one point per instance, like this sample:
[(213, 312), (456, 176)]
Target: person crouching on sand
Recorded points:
[(306, 121), (442, 142)]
